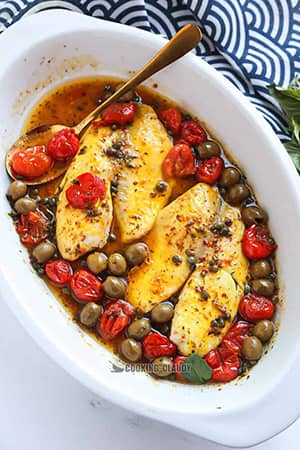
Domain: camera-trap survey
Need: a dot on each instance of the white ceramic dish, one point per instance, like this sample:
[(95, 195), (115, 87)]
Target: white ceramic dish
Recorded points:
[(54, 46)]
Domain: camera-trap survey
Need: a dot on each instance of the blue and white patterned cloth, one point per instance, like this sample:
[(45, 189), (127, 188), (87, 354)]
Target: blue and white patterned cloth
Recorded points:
[(253, 43)]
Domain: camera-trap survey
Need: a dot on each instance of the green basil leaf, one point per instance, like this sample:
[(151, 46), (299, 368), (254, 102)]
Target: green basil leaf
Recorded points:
[(296, 128), (293, 148), (289, 100), (196, 370)]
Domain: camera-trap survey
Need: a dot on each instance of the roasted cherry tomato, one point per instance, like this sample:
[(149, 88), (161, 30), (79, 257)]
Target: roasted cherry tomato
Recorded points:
[(155, 345), (179, 162), (115, 319), (119, 113), (209, 170), (178, 365), (85, 191), (235, 336), (171, 118), (254, 308), (86, 287), (225, 364), (31, 162), (32, 228), (59, 272), (192, 133), (63, 145), (257, 242)]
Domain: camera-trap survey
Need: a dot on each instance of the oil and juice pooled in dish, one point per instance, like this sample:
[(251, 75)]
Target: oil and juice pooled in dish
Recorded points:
[(152, 239)]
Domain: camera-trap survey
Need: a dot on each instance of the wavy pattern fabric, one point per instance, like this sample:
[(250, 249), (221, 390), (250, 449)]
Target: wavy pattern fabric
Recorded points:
[(251, 42)]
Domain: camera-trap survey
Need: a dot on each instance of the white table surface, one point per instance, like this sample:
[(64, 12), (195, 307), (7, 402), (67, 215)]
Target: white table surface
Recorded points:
[(44, 408)]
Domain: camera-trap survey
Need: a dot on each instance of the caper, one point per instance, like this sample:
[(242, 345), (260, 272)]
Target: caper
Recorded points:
[(117, 264), (263, 286), (263, 330), (162, 186), (125, 97), (97, 262), (25, 204), (131, 350), (253, 215), (90, 314), (252, 348), (114, 287), (208, 149), (139, 328), (163, 312), (162, 367), (237, 194), (260, 269), (136, 253), (43, 252), (229, 177), (16, 189)]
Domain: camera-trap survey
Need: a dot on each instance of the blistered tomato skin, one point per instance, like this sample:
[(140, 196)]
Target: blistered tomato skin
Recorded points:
[(178, 367), (85, 191), (59, 272), (172, 119), (32, 228), (179, 162), (192, 133), (86, 287), (210, 170), (31, 162), (119, 113), (235, 336), (257, 242), (155, 345), (254, 308), (225, 365), (63, 145), (115, 318)]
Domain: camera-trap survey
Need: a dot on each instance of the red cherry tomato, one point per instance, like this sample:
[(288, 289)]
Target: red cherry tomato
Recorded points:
[(171, 118), (119, 113), (59, 272), (257, 242), (115, 319), (63, 145), (31, 162), (32, 228), (86, 287), (85, 191), (254, 308), (192, 133), (236, 335), (178, 365), (225, 365), (179, 162), (209, 170), (155, 345)]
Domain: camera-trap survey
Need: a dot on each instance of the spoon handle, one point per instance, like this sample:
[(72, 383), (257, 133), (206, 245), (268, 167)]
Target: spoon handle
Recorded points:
[(180, 44)]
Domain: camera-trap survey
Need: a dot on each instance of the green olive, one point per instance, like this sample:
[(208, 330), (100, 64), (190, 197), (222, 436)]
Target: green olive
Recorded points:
[(131, 350), (162, 367), (44, 251), (208, 149), (139, 328), (260, 269), (90, 314), (237, 194), (253, 215), (25, 205), (136, 253), (16, 190), (163, 312), (117, 264), (125, 97), (97, 262), (114, 287), (263, 330), (229, 177), (263, 286), (252, 348)]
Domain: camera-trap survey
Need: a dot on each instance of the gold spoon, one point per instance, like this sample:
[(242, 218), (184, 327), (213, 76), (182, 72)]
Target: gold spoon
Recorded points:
[(180, 44)]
